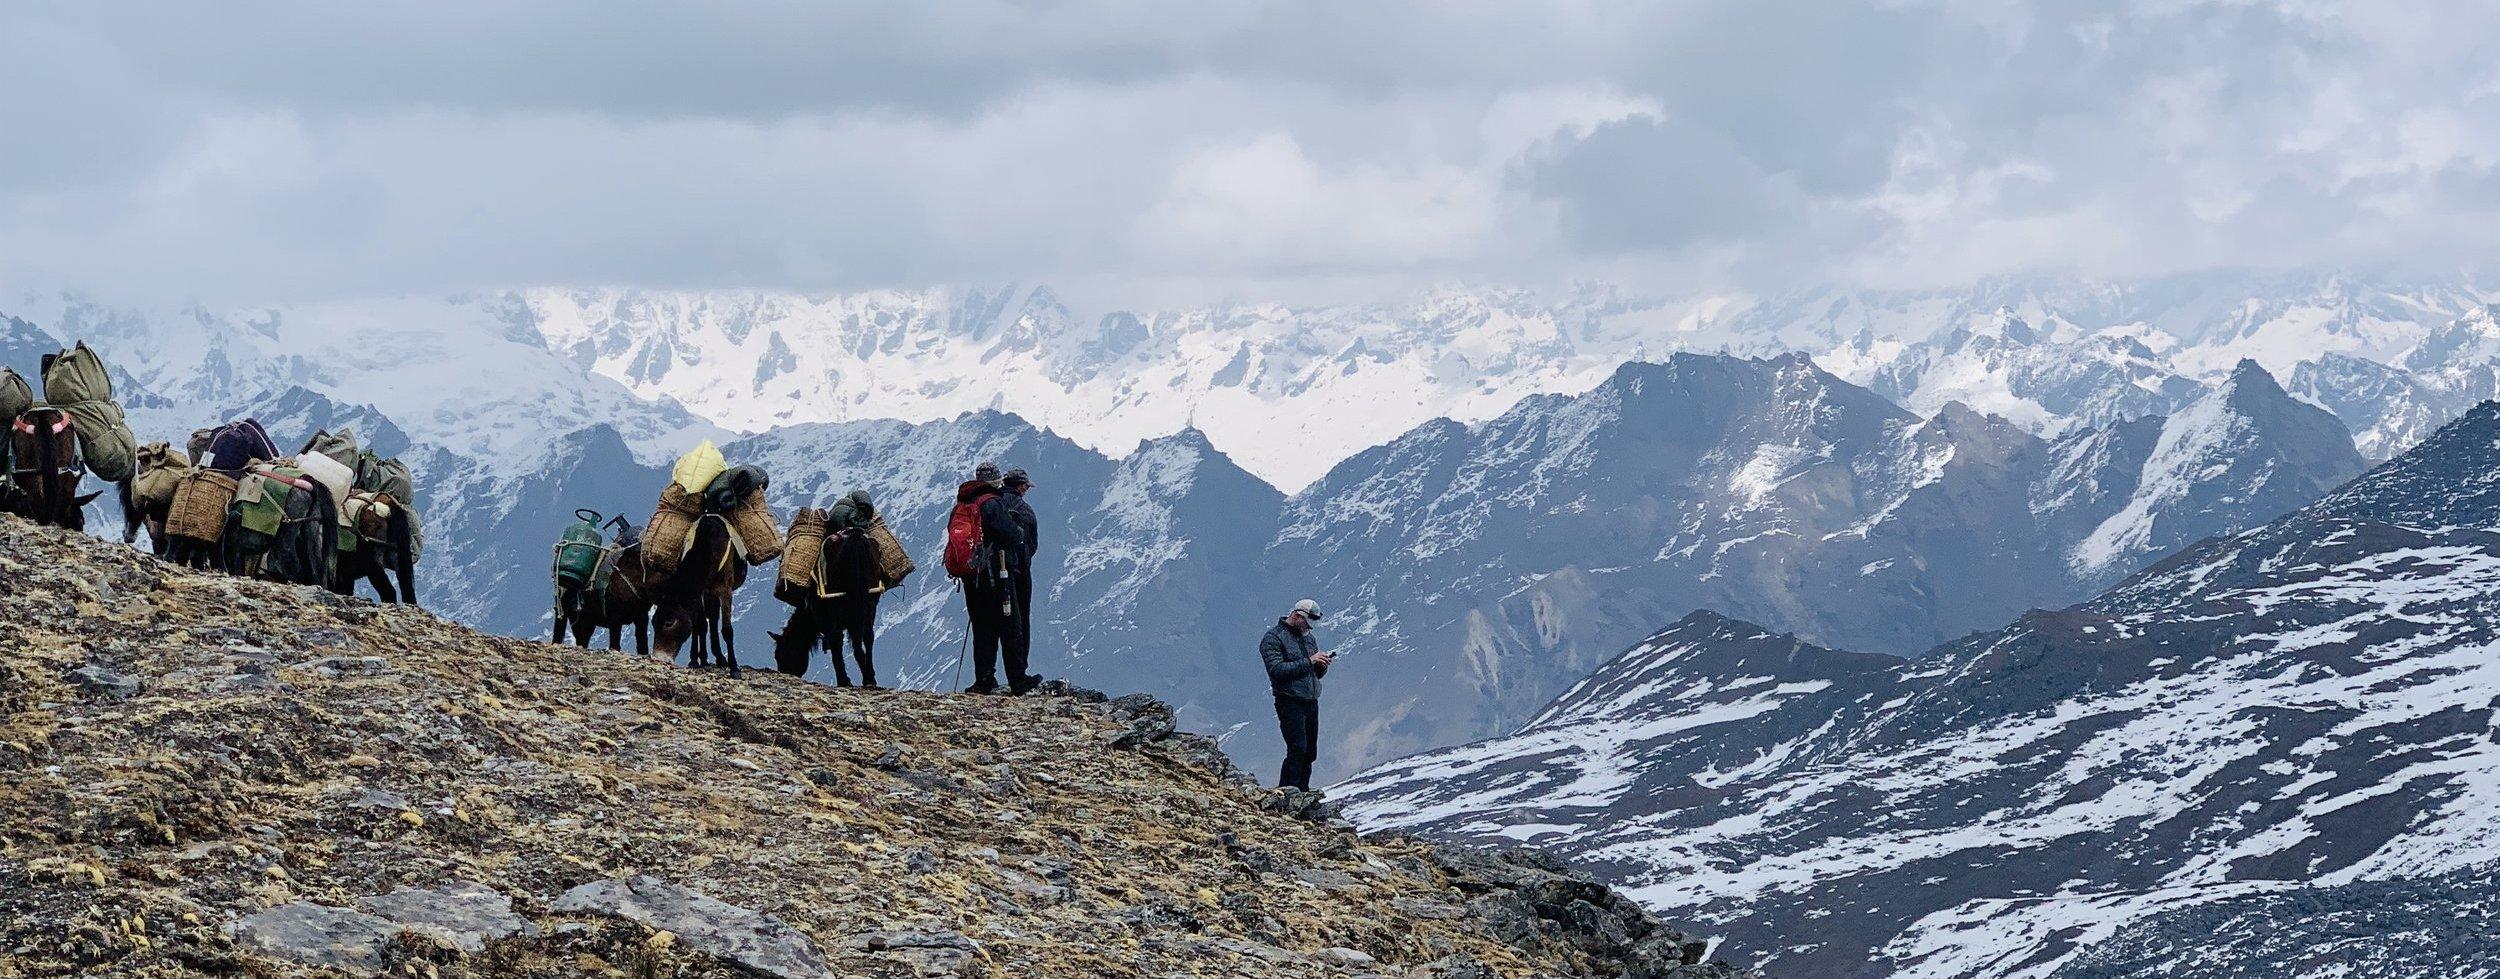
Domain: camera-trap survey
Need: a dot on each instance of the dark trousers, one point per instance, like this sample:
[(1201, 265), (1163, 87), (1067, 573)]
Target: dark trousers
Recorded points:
[(1298, 720), (1018, 642), (990, 625)]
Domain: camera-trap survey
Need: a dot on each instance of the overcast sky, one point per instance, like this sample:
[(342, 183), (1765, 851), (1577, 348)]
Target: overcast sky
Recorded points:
[(249, 151)]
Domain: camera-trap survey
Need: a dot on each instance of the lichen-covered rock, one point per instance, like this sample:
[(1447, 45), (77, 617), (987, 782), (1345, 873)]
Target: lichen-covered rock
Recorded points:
[(302, 785), (316, 934), (750, 938), (463, 913)]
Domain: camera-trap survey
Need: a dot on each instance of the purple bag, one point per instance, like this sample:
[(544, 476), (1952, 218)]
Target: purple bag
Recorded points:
[(239, 444)]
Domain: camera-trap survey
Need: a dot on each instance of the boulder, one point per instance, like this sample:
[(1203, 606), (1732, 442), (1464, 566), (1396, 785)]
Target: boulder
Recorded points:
[(316, 935), (725, 931), (463, 913)]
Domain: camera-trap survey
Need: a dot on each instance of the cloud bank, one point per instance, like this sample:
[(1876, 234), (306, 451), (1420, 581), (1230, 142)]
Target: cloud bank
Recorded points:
[(270, 151)]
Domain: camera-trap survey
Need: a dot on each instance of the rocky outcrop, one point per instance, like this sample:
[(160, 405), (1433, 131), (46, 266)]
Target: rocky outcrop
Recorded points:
[(200, 774)]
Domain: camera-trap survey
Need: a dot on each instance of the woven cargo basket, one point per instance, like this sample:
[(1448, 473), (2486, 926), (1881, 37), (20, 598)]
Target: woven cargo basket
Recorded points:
[(893, 563), (805, 545), (199, 508), (756, 528), (672, 524)]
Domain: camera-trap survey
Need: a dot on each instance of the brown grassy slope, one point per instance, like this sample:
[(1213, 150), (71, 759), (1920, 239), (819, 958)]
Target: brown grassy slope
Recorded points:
[(287, 746)]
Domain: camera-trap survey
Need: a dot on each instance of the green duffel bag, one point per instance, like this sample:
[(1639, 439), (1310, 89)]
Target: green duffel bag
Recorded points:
[(76, 382), (15, 398), (375, 474), (338, 447)]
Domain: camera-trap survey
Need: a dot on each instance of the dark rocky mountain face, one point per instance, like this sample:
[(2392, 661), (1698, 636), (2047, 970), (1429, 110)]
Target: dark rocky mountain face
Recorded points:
[(1483, 570), (2283, 718), (2428, 926)]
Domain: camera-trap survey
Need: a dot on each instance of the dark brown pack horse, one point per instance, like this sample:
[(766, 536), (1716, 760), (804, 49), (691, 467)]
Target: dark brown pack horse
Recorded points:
[(846, 610), (386, 532), (305, 549), (585, 609), (692, 603), (45, 470)]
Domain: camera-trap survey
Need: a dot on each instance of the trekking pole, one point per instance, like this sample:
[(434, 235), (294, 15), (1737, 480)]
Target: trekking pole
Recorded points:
[(965, 652)]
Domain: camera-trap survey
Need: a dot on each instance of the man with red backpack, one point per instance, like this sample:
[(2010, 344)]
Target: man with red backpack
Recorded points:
[(980, 534)]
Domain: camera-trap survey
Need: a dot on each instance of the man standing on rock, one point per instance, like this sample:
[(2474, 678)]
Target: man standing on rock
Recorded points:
[(1294, 668), (1019, 638)]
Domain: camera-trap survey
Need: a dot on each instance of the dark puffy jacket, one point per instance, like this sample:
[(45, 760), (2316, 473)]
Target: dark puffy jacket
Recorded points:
[(1028, 530), (1001, 533), (1288, 658)]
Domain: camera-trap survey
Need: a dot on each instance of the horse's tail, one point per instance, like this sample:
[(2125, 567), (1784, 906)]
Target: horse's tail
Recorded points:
[(402, 524), (132, 516), (326, 515), (48, 469)]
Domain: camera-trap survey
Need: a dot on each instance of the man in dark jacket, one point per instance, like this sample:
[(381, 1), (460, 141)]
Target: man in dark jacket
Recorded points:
[(1019, 638), (1294, 668), (989, 595)]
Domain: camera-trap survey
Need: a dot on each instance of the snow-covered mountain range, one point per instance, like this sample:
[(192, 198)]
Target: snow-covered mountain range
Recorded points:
[(1495, 501), (2283, 723), (1289, 391)]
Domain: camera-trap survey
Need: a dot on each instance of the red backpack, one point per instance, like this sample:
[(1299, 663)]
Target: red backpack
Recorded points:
[(963, 530)]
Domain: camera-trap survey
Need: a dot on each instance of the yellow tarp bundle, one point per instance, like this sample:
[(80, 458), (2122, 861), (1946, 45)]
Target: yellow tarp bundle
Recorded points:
[(698, 468)]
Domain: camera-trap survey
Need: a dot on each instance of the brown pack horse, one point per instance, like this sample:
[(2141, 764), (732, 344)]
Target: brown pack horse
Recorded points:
[(626, 600), (387, 546), (45, 469), (693, 602)]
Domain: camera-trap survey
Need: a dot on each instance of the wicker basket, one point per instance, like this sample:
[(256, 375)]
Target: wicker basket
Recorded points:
[(199, 508), (757, 529), (893, 562), (672, 524), (805, 545)]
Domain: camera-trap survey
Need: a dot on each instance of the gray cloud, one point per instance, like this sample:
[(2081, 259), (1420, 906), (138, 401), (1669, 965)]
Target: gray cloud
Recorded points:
[(275, 150)]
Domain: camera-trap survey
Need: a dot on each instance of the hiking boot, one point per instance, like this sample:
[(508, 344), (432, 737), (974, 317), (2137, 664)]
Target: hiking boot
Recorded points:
[(1025, 684), (983, 687), (870, 684)]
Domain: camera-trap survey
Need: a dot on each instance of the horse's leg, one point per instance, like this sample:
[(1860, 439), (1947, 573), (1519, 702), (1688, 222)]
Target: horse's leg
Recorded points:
[(382, 590), (826, 631), (342, 578), (863, 629), (703, 630), (642, 634), (728, 635)]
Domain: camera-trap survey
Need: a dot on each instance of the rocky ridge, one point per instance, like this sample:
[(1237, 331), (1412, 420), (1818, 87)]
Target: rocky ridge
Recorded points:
[(200, 774)]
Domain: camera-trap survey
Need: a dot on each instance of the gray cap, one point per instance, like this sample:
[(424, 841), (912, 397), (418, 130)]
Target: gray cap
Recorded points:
[(1017, 477), (987, 472), (1308, 608)]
